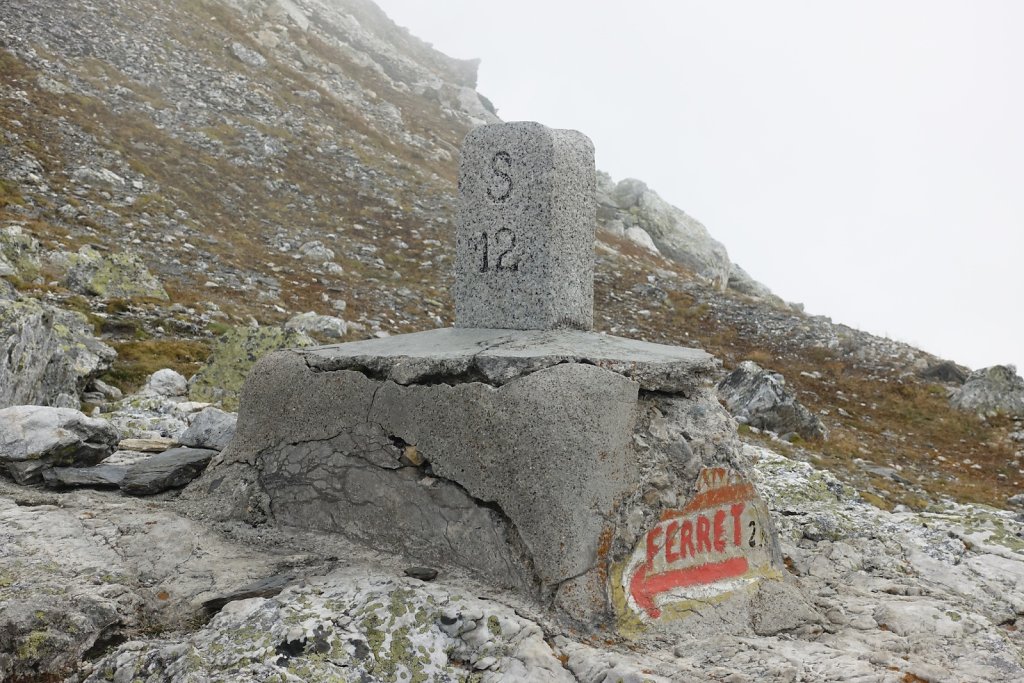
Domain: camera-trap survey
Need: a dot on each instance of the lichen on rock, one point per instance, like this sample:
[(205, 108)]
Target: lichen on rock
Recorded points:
[(47, 354), (234, 354), (120, 275)]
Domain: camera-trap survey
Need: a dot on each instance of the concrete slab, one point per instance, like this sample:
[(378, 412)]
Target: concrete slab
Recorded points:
[(497, 356)]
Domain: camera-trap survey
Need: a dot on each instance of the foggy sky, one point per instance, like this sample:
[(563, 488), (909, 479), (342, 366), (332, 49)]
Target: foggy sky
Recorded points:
[(866, 159)]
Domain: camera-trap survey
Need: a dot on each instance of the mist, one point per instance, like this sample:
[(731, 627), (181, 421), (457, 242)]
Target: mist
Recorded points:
[(865, 160)]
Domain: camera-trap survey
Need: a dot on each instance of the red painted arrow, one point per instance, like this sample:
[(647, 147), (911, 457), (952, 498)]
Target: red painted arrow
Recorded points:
[(644, 588)]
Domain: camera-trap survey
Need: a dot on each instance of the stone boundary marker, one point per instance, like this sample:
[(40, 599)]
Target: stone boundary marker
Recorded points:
[(525, 237), (594, 474)]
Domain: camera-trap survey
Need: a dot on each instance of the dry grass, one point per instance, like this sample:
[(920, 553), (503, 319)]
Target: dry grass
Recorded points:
[(900, 421), (895, 421), (137, 360)]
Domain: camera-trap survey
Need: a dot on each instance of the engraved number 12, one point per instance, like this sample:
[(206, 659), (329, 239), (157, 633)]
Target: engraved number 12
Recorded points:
[(505, 240)]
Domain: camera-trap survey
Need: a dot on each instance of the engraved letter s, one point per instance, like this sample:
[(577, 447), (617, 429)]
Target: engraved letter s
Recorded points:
[(501, 164)]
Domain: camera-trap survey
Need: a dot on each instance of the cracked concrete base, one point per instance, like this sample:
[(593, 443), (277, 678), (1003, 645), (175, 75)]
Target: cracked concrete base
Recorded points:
[(539, 479)]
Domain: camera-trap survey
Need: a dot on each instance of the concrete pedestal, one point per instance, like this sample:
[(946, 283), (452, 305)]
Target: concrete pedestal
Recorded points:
[(542, 461)]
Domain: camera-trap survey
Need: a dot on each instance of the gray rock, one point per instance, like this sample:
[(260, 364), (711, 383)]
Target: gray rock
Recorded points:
[(945, 371), (211, 428), (150, 416), (998, 388), (108, 391), (171, 469), (47, 355), (676, 235), (638, 235), (234, 354), (759, 397), (740, 281), (394, 630), (72, 477), (89, 566), (166, 382), (19, 253), (248, 56), (316, 251), (316, 325), (150, 445), (109, 276), (499, 356), (34, 438), (263, 588), (525, 236), (779, 606)]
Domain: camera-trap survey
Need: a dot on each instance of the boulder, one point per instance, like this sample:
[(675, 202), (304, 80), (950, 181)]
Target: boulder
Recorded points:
[(106, 391), (210, 428), (19, 253), (150, 415), (315, 325), (946, 372), (34, 438), (234, 354), (47, 355), (740, 281), (248, 55), (166, 382), (638, 235), (996, 389), (71, 477), (90, 568), (759, 397), (676, 235), (173, 468), (109, 276)]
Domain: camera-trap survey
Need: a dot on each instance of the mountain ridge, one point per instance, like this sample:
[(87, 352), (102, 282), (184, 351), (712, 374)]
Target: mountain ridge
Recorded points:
[(192, 185), (270, 158)]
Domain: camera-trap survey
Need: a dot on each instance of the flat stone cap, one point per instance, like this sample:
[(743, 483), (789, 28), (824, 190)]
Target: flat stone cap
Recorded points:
[(456, 355)]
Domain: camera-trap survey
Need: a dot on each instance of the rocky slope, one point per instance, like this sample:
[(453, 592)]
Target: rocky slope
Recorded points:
[(185, 179)]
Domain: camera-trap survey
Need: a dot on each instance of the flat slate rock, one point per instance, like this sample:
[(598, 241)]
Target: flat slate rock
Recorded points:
[(157, 445), (499, 356), (171, 469), (263, 588), (72, 477)]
